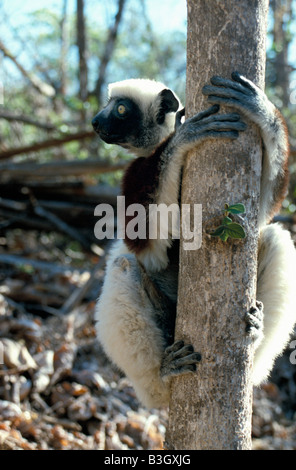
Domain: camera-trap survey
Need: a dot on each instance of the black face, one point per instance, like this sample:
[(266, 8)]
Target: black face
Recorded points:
[(119, 122)]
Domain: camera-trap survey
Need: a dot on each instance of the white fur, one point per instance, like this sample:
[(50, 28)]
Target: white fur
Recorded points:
[(276, 289), (126, 328), (144, 92)]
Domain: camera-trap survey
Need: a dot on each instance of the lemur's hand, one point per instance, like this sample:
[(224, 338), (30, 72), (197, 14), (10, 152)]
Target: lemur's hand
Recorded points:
[(209, 124), (242, 95)]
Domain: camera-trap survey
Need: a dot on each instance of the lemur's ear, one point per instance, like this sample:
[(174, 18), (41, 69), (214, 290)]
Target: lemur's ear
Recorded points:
[(168, 104)]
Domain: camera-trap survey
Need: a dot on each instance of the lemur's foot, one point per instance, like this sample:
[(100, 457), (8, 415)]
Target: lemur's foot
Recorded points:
[(179, 359), (254, 321)]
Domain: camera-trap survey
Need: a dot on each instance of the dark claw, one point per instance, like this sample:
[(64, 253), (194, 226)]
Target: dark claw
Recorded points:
[(238, 77), (254, 320), (177, 345), (179, 358)]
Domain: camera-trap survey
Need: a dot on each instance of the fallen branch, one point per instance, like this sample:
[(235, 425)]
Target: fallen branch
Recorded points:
[(21, 171), (20, 261), (78, 295), (55, 142), (58, 223)]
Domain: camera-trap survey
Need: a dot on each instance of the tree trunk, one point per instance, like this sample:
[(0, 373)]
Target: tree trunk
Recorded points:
[(282, 15), (109, 49), (217, 283), (81, 43), (64, 48)]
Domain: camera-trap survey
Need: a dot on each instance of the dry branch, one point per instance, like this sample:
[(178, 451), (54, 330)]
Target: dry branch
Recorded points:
[(109, 48), (29, 170), (81, 43), (20, 261), (54, 142), (12, 116), (38, 84), (59, 224), (77, 296)]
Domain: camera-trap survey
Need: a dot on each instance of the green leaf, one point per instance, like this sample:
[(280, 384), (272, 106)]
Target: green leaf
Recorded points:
[(226, 221), (224, 236), (236, 209), (218, 232), (235, 230)]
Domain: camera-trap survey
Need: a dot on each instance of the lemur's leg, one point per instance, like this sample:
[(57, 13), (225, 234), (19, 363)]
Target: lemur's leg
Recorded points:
[(242, 95), (276, 289), (130, 321)]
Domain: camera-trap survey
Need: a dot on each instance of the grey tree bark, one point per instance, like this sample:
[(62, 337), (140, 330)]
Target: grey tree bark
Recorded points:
[(217, 283)]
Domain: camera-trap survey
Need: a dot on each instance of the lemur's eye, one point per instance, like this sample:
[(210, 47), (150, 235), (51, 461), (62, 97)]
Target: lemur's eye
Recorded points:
[(121, 109)]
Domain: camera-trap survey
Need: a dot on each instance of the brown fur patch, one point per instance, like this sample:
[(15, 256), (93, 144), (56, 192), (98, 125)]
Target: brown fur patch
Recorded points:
[(281, 187), (139, 186)]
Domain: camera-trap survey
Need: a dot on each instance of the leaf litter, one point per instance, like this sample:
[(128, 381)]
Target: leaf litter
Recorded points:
[(59, 391)]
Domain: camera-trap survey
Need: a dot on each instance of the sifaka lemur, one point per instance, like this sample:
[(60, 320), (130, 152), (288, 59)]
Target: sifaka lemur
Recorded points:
[(136, 310)]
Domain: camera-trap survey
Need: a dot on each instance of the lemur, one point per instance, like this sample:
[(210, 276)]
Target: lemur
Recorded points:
[(135, 314)]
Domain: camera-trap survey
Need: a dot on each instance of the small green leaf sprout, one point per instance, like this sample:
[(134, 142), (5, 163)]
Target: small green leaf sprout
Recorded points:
[(230, 229)]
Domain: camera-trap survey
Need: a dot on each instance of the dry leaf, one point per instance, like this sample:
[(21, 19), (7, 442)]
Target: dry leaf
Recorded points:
[(45, 370), (9, 410), (16, 355)]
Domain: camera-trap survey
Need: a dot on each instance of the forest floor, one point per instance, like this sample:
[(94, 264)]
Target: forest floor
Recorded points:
[(57, 388)]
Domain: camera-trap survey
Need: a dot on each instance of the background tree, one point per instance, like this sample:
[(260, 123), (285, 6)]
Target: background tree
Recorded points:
[(282, 36)]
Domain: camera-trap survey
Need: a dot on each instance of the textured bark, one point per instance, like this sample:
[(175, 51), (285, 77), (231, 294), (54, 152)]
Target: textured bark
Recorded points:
[(217, 283), (81, 43)]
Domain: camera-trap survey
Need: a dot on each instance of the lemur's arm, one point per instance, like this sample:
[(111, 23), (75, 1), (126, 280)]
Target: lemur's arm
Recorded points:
[(156, 179), (242, 95)]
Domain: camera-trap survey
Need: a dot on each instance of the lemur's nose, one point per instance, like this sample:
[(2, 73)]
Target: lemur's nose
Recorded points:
[(95, 123)]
